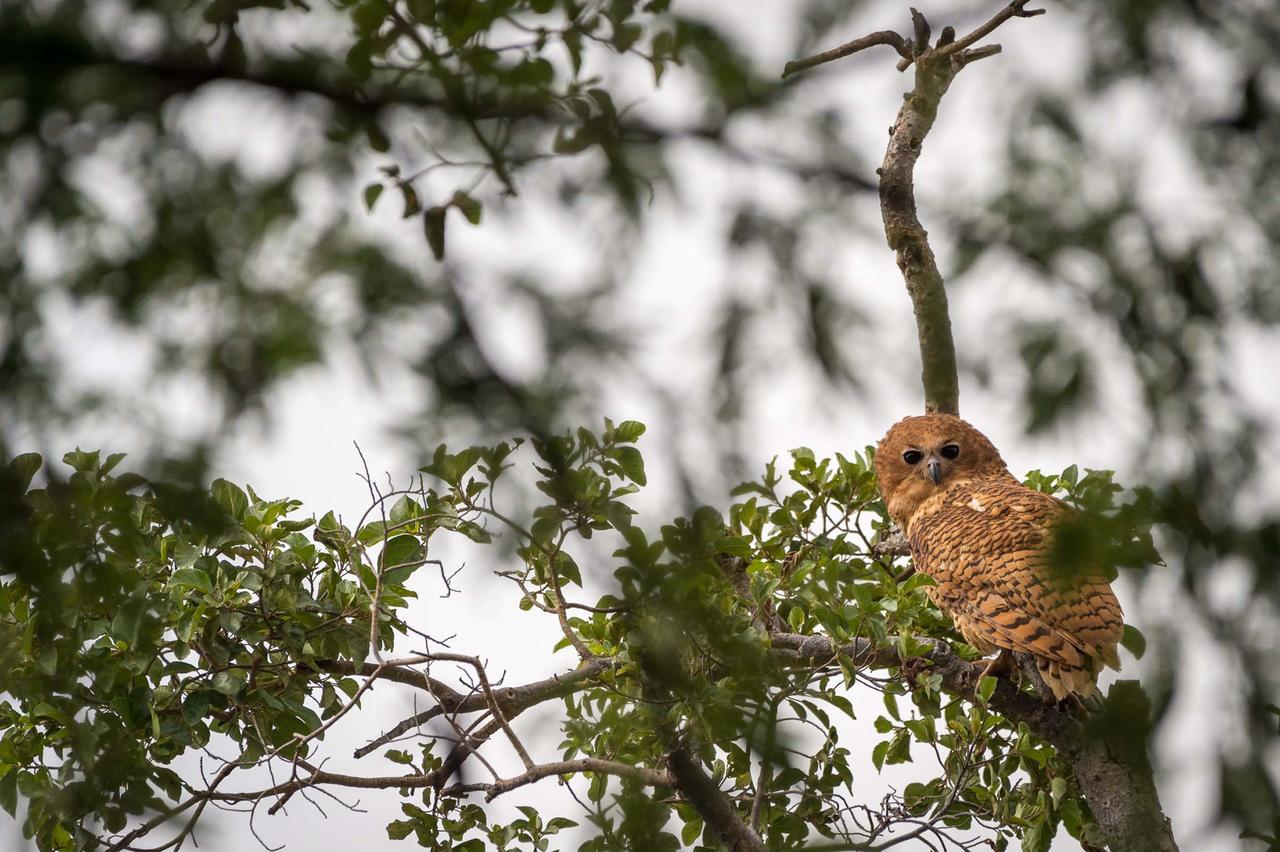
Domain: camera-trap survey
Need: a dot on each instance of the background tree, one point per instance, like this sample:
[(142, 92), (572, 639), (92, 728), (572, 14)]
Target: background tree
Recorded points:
[(232, 275)]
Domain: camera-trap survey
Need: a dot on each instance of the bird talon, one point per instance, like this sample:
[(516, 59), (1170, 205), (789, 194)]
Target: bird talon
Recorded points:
[(1002, 664)]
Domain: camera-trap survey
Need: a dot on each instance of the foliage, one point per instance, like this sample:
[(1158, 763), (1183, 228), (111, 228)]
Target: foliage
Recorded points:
[(132, 633)]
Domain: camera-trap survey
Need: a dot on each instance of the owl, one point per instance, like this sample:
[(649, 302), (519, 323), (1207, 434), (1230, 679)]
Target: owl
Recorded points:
[(984, 538)]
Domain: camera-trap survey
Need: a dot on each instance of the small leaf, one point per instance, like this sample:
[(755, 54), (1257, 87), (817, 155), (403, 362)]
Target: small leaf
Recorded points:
[(1133, 641), (229, 681), (25, 466), (191, 578), (632, 463), (9, 791), (986, 686), (47, 661), (371, 194), (194, 708), (231, 497), (468, 206), (475, 532), (411, 203), (433, 225), (127, 624), (628, 431)]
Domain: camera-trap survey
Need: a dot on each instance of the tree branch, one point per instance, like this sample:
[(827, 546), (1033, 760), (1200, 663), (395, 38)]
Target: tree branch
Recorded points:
[(1109, 762), (511, 699), (886, 37), (935, 69), (643, 774), (909, 240), (712, 805)]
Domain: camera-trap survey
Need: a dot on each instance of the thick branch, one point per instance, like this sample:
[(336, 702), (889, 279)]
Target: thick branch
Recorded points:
[(909, 240), (712, 805), (1109, 764)]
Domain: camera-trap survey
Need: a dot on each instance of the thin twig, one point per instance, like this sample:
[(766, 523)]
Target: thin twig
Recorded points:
[(885, 37)]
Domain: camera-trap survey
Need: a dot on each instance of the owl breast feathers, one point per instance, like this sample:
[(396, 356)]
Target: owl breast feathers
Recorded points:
[(984, 538)]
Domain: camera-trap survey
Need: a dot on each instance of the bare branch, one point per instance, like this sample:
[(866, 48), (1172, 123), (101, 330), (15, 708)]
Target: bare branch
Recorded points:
[(643, 774), (1016, 9), (886, 37)]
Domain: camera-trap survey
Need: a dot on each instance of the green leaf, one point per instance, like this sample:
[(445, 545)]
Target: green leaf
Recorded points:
[(632, 463), (1057, 789), (127, 625), (628, 431), (625, 36), (229, 681), (878, 754), (47, 661), (371, 194), (81, 461), (1133, 641), (398, 756), (986, 686), (194, 708), (9, 791), (467, 206), (1037, 838), (475, 532), (230, 497), (192, 578), (433, 227), (25, 467)]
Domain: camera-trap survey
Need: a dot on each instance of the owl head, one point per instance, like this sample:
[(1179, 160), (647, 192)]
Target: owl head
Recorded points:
[(921, 455)]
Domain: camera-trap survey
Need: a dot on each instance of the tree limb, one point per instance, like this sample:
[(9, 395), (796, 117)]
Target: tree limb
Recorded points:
[(886, 37), (935, 69), (712, 805), (1109, 763), (909, 240), (511, 699)]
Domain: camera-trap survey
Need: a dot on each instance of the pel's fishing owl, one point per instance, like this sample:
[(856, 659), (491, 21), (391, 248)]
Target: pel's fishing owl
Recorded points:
[(984, 539)]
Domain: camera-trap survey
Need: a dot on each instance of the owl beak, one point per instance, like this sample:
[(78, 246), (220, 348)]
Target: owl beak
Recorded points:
[(935, 470)]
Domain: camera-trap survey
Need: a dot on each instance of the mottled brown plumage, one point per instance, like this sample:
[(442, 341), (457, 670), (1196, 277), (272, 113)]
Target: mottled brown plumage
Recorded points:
[(983, 537)]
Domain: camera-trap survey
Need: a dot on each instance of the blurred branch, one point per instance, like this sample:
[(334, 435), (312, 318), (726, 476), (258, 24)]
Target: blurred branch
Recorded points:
[(40, 53)]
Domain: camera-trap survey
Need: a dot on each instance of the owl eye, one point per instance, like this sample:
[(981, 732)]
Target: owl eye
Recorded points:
[(912, 456), (950, 451)]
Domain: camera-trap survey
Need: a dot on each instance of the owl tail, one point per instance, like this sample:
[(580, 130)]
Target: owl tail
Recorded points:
[(1064, 679)]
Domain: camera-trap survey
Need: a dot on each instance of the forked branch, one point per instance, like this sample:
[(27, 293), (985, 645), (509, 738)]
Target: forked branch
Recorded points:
[(935, 68)]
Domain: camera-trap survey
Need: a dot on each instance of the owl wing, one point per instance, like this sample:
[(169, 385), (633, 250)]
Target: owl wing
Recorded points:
[(985, 544)]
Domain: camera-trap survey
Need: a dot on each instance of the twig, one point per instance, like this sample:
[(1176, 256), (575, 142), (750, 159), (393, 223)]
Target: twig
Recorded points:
[(885, 37)]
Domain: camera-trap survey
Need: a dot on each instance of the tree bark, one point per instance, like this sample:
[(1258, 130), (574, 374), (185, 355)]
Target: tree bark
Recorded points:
[(908, 238), (697, 788), (1107, 753)]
